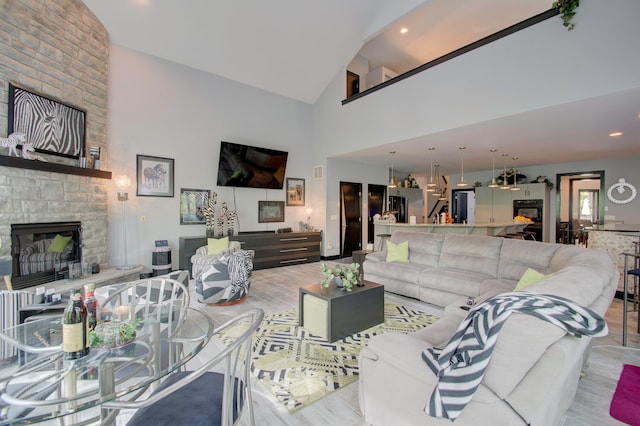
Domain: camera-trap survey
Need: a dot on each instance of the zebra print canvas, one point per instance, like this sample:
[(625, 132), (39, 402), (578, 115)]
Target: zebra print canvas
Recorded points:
[(50, 126)]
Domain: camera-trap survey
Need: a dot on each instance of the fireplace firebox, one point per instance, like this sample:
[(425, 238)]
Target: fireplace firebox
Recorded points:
[(42, 252)]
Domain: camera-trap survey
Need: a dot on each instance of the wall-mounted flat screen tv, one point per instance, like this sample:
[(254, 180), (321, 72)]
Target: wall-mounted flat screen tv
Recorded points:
[(251, 167)]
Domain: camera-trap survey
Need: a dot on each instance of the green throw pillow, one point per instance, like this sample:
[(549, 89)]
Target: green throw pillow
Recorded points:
[(217, 245), (529, 277), (398, 252), (58, 244)]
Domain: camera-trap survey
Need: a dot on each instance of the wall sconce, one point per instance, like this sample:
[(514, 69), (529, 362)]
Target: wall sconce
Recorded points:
[(309, 211)]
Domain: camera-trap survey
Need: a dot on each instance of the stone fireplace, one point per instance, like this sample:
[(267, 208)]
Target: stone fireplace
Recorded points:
[(35, 260), (56, 48)]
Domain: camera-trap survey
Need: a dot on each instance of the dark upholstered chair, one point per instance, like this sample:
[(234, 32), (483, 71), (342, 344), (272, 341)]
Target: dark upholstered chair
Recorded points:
[(204, 396)]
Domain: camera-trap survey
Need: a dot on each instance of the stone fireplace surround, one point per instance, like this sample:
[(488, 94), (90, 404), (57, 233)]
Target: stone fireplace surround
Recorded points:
[(44, 197), (59, 49)]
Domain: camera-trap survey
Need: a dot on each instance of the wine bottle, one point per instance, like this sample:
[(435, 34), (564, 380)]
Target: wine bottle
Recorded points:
[(92, 305), (75, 333)]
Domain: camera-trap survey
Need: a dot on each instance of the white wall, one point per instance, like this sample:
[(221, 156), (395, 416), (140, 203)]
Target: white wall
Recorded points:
[(160, 108), (539, 67)]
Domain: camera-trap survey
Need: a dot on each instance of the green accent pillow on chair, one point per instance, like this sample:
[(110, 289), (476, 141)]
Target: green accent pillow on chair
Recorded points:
[(58, 244), (216, 245), (398, 252), (529, 277)]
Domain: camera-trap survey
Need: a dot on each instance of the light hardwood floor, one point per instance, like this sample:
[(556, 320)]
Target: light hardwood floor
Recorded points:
[(275, 290)]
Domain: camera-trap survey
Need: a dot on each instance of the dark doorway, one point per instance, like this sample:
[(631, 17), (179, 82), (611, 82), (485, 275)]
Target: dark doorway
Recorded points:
[(353, 84), (376, 202), (571, 228), (463, 205), (350, 218)]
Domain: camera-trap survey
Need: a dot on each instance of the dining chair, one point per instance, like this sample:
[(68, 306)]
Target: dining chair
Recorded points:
[(162, 299), (215, 394)]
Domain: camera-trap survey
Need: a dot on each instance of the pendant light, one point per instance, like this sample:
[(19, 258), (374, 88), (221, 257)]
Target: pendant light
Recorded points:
[(462, 182), (515, 186), (505, 184), (493, 183), (437, 191), (431, 185), (392, 181)]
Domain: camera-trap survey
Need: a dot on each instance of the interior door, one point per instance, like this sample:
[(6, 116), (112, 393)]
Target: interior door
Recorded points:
[(376, 201), (568, 208), (350, 218)]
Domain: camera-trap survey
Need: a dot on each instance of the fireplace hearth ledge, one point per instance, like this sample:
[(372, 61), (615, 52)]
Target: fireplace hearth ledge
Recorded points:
[(105, 277)]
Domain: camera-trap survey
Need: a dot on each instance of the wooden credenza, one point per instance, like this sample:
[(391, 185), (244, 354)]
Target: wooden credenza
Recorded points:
[(271, 249)]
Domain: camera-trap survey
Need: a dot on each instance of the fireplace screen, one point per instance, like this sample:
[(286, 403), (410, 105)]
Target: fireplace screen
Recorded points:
[(42, 250)]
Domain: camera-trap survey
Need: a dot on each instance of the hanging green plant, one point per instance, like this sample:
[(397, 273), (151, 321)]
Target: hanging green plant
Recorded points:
[(567, 10)]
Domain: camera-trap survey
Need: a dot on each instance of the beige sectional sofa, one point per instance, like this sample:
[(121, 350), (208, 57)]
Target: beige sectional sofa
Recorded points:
[(535, 366)]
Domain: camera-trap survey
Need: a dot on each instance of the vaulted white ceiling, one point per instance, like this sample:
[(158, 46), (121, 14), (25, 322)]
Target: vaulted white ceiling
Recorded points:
[(295, 48)]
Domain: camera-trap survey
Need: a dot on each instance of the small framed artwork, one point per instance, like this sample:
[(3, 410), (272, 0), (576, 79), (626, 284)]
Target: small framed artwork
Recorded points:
[(270, 211), (295, 192), (154, 176), (51, 126), (190, 202)]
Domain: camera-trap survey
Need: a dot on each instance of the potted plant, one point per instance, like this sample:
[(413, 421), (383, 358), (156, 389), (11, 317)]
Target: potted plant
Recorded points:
[(344, 276), (567, 10)]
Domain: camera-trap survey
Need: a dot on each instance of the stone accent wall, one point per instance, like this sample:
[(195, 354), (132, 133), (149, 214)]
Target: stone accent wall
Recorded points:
[(59, 49), (615, 243)]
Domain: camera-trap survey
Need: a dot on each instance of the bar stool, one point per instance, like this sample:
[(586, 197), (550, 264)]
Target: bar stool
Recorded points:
[(635, 272), (383, 239)]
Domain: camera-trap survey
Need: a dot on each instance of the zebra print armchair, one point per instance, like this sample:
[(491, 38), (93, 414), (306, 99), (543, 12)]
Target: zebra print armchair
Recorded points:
[(226, 281), (202, 258)]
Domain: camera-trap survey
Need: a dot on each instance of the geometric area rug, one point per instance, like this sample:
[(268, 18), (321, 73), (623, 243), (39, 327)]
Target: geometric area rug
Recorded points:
[(299, 368)]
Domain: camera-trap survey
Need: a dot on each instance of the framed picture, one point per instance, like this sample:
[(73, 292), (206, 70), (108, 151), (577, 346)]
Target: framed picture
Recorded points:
[(190, 202), (295, 192), (270, 211), (154, 176), (52, 127)]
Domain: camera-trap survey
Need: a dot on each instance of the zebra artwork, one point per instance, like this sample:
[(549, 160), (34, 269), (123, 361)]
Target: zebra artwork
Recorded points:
[(12, 141), (154, 176), (49, 126)]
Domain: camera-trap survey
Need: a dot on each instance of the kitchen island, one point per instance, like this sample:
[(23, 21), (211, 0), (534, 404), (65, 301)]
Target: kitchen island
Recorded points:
[(490, 229)]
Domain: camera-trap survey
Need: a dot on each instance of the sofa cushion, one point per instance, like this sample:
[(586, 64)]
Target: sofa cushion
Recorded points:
[(400, 271), (521, 342), (424, 248), (472, 253), (453, 281), (518, 255), (398, 252)]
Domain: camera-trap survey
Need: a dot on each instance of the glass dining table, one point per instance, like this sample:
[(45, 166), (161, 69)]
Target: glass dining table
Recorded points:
[(38, 385)]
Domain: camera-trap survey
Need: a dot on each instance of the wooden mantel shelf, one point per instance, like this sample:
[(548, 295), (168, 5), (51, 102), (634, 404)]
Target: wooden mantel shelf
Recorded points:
[(21, 163)]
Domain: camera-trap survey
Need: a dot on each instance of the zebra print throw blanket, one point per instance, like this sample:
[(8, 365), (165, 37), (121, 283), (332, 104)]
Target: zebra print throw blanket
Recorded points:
[(461, 364)]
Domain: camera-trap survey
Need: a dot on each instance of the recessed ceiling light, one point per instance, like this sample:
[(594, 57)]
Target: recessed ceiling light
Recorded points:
[(404, 30), (615, 134)]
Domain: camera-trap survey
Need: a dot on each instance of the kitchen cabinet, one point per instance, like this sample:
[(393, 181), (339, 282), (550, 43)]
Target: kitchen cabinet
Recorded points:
[(494, 205)]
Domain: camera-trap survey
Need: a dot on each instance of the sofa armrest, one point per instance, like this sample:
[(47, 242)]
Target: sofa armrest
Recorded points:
[(376, 256)]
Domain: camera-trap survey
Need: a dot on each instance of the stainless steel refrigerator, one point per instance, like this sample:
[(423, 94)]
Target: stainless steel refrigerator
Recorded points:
[(399, 206)]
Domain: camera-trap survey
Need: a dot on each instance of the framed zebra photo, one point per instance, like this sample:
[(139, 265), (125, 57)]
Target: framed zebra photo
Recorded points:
[(190, 202), (52, 127), (154, 176)]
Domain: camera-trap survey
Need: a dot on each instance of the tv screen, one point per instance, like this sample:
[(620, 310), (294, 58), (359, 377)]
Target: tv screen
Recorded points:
[(250, 166)]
